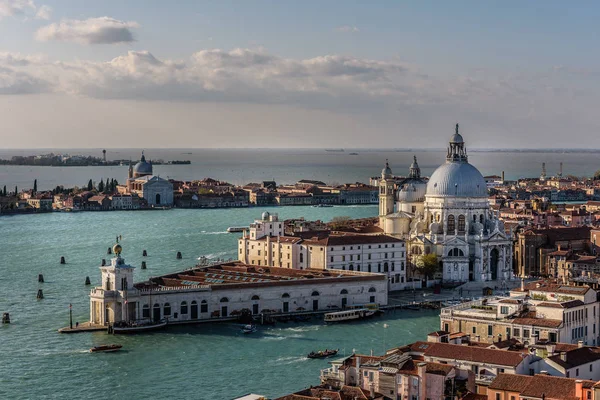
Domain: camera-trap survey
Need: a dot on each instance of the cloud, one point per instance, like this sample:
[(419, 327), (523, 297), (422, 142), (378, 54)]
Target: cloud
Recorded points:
[(347, 29), (44, 12), (102, 30), (11, 8)]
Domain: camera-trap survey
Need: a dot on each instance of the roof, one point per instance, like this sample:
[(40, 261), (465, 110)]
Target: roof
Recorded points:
[(539, 386), (565, 304), (577, 357), (474, 354), (456, 179), (541, 322)]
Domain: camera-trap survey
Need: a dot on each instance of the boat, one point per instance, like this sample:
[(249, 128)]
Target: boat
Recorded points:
[(322, 205), (137, 327), (353, 154), (233, 229), (349, 315), (249, 329), (322, 353), (106, 348)]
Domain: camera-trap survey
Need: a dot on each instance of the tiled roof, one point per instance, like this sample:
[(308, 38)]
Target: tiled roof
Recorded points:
[(565, 304), (475, 354), (541, 322), (538, 386), (577, 357)]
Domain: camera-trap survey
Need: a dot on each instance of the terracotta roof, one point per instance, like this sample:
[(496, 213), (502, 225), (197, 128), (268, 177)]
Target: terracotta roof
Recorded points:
[(509, 301), (475, 354), (538, 386), (541, 322), (438, 333), (577, 357), (564, 304), (438, 369)]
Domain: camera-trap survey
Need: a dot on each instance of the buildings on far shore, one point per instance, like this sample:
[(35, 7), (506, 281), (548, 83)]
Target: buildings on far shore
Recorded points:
[(225, 290), (265, 243)]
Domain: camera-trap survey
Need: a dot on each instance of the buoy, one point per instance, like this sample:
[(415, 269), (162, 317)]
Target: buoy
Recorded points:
[(87, 280), (109, 251), (40, 294), (40, 278), (179, 255), (103, 262), (5, 318), (143, 264), (62, 260), (144, 253)]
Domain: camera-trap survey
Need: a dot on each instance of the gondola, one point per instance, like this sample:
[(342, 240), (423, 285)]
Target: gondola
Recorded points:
[(107, 348), (322, 353)]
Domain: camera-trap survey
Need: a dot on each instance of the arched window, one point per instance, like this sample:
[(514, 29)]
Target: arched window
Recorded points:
[(315, 293), (351, 267), (158, 198), (184, 308), (385, 267), (474, 218), (146, 311), (481, 218), (203, 306), (255, 297), (344, 291), (456, 252), (461, 223), (372, 290), (223, 300), (451, 224), (301, 257), (285, 296), (167, 309)]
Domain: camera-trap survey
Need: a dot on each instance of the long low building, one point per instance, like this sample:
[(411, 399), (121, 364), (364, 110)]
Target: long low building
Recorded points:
[(224, 290)]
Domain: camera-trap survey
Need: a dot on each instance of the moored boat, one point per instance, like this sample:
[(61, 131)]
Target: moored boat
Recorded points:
[(106, 348), (249, 329), (322, 353), (349, 315), (137, 327)]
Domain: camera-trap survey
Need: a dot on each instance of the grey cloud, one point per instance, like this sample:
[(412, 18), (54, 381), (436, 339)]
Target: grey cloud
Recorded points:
[(102, 30)]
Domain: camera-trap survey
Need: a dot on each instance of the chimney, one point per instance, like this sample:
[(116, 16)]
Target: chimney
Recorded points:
[(358, 365), (563, 356), (372, 390), (422, 368), (559, 247), (550, 349), (580, 344), (579, 388)]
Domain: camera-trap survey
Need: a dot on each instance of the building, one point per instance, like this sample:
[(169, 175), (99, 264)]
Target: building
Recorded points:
[(142, 182), (41, 202), (537, 311), (122, 202), (226, 290), (265, 243), (517, 387), (449, 216)]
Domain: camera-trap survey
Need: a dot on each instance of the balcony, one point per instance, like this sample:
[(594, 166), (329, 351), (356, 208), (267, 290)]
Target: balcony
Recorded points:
[(484, 379)]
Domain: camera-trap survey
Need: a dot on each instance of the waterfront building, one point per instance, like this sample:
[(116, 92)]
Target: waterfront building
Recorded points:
[(511, 387), (224, 290), (123, 202), (537, 311), (142, 182), (265, 243), (42, 202), (450, 216)]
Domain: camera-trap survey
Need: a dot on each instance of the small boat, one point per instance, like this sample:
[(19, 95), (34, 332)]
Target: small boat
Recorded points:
[(106, 348), (249, 329), (349, 315), (322, 205), (322, 353), (137, 327), (233, 229)]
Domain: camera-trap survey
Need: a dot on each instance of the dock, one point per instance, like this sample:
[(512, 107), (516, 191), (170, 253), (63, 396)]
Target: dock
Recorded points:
[(83, 327)]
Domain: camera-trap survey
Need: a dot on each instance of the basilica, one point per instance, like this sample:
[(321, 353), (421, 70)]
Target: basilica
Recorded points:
[(448, 215), (141, 181)]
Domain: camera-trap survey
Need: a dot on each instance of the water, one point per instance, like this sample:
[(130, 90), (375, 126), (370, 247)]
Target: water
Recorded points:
[(203, 361), (240, 166)]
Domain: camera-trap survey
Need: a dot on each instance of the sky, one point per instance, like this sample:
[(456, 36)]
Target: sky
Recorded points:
[(259, 74)]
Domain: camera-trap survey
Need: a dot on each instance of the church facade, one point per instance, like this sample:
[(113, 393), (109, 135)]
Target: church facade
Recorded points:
[(449, 215), (141, 181)]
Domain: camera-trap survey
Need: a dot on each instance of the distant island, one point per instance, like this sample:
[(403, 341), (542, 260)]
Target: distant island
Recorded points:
[(66, 160)]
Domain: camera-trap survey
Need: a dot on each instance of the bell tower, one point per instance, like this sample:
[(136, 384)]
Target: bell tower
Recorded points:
[(386, 194)]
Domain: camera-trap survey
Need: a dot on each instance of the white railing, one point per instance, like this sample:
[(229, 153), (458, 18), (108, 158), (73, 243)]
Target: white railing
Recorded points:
[(176, 288)]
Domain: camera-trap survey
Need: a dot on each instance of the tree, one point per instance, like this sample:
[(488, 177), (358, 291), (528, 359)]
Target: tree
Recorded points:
[(101, 186), (107, 186), (427, 265), (16, 191), (90, 185), (34, 186), (597, 175), (339, 222)]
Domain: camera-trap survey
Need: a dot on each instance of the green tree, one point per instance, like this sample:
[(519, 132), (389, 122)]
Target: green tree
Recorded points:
[(101, 186), (107, 186), (90, 185), (35, 186), (16, 191), (427, 265)]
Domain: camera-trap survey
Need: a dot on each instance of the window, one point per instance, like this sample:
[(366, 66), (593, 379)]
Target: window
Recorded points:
[(490, 330), (525, 333), (315, 293), (576, 371), (372, 290), (285, 296), (184, 308), (167, 309), (301, 257), (516, 332), (344, 291), (146, 311), (255, 297), (474, 329), (498, 396), (451, 224), (203, 306), (503, 310), (461, 223), (343, 258), (331, 259)]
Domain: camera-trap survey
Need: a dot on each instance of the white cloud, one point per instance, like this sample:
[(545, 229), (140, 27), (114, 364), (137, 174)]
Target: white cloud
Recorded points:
[(347, 29), (102, 30), (11, 8), (44, 12)]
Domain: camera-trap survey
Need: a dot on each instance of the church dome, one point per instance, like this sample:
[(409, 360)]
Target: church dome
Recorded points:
[(143, 167), (457, 179), (386, 172), (412, 192)]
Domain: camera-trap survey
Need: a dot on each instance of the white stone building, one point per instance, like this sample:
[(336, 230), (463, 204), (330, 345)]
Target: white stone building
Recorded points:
[(264, 243), (450, 216), (141, 181), (224, 290)]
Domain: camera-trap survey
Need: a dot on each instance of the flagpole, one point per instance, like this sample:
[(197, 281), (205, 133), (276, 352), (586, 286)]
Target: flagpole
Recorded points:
[(71, 316)]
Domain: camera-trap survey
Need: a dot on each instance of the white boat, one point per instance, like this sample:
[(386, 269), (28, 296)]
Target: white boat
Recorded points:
[(349, 315), (249, 329), (233, 229)]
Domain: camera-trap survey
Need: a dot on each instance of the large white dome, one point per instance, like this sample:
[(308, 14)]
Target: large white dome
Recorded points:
[(457, 179)]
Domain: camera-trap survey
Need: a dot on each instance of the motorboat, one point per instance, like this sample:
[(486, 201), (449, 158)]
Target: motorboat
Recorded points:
[(322, 353), (106, 348), (247, 329), (137, 327), (349, 315)]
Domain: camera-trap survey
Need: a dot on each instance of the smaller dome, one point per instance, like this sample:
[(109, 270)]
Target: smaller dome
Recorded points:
[(457, 137), (265, 216), (386, 172), (117, 249), (412, 192)]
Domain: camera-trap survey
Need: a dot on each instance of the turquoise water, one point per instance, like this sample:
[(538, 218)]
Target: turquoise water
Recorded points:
[(201, 362)]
